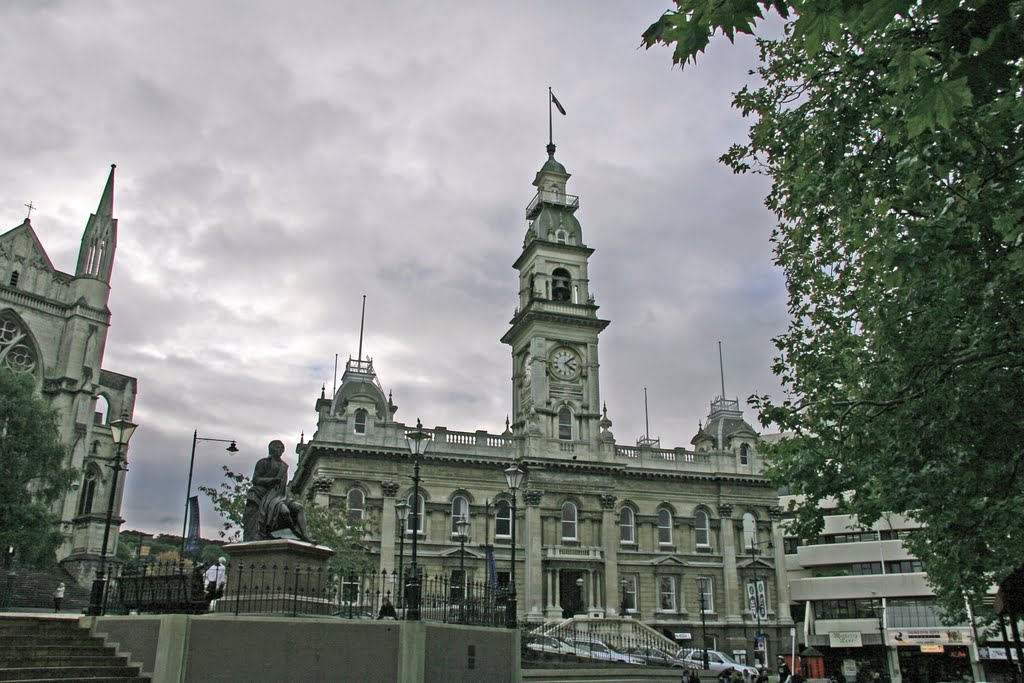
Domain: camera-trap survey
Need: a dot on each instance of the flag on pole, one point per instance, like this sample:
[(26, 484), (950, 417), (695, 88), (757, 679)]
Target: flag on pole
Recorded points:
[(492, 572), (558, 105), (193, 542)]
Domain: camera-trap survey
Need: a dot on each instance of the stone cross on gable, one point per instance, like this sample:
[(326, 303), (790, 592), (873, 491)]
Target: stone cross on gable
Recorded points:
[(30, 207)]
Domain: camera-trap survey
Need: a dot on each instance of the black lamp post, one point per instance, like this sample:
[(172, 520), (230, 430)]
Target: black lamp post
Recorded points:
[(188, 491), (402, 508), (754, 548), (418, 439), (121, 430), (514, 478), (702, 589), (462, 529), (623, 605)]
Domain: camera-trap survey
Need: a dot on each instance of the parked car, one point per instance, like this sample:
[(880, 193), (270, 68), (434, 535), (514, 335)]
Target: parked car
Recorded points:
[(591, 648), (717, 661), (656, 657), (550, 645)]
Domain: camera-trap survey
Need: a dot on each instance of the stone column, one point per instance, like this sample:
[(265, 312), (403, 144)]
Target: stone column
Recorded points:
[(388, 522), (781, 582), (533, 581), (727, 541), (609, 532)]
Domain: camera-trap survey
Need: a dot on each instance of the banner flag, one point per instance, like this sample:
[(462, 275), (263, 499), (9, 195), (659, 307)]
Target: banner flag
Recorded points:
[(192, 540), (558, 105), (762, 600)]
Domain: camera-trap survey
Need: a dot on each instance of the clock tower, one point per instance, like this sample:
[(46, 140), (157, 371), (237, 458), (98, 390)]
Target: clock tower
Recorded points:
[(555, 389)]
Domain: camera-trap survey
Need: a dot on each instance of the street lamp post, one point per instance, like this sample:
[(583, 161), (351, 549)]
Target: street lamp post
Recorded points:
[(880, 614), (754, 548), (418, 439), (188, 491), (623, 605), (402, 508), (514, 478), (702, 588), (462, 528), (121, 430)]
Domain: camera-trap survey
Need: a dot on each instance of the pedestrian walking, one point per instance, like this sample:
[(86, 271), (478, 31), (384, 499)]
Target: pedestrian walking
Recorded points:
[(58, 596), (216, 578)]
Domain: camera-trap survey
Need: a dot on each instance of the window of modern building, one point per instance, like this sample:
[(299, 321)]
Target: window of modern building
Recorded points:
[(913, 612), (565, 423), (749, 530), (744, 454), (355, 501), (460, 510), (415, 521), (360, 421), (502, 519), (790, 545), (627, 525), (904, 567), (664, 527), (865, 568), (667, 593), (866, 608), (852, 537), (701, 529), (569, 522), (629, 592), (706, 593)]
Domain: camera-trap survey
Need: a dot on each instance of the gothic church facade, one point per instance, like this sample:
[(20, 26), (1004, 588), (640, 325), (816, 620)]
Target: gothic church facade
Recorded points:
[(53, 325), (601, 527)]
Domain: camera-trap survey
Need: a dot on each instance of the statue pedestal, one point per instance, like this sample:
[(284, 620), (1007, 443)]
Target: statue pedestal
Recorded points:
[(278, 576)]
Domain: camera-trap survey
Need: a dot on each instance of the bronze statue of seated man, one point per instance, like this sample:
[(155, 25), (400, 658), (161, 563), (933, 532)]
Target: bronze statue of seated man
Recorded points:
[(269, 512)]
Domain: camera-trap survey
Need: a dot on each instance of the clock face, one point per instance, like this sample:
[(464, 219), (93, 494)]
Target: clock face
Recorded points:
[(565, 363)]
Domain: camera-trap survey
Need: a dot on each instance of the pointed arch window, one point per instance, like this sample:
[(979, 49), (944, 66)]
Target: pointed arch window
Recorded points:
[(415, 521), (356, 503), (460, 510), (569, 518), (565, 423), (701, 529), (16, 351), (749, 530), (502, 519), (360, 421), (561, 285), (627, 525), (88, 492), (664, 527)]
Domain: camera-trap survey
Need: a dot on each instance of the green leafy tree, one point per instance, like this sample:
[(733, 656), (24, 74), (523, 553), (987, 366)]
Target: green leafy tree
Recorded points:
[(211, 553), (329, 526), (33, 471), (891, 132)]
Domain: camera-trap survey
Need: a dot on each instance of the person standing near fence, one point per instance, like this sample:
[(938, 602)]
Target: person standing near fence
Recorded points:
[(58, 596), (216, 579)]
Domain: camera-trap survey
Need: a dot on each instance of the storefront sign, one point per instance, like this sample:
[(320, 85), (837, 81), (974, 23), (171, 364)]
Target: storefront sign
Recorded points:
[(934, 649), (927, 636), (680, 635), (845, 639), (995, 653)]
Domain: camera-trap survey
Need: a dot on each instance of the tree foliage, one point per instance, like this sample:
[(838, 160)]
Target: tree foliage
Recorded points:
[(329, 526), (33, 471), (891, 131)]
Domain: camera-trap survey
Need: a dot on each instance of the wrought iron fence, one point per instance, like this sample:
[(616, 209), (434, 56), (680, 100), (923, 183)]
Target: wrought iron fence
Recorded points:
[(296, 590), (596, 642)]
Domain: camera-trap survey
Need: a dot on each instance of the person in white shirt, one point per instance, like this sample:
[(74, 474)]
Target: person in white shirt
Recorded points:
[(216, 577)]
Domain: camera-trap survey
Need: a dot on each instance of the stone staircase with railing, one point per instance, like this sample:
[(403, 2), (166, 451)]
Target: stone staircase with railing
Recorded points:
[(44, 649), (616, 632)]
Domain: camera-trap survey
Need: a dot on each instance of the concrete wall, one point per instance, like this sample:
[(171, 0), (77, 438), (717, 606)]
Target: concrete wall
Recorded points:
[(177, 648)]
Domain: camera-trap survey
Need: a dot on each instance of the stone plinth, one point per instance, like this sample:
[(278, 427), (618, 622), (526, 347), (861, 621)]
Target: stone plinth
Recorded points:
[(278, 576)]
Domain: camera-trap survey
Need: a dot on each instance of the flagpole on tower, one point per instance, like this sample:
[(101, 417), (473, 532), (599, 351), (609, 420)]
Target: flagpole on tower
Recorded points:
[(551, 135)]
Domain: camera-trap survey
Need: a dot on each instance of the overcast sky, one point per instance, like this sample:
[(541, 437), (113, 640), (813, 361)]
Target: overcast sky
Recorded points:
[(276, 161)]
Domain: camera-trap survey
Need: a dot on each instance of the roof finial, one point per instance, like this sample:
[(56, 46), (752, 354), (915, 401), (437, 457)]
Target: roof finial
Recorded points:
[(721, 368), (30, 207), (362, 321), (106, 207)]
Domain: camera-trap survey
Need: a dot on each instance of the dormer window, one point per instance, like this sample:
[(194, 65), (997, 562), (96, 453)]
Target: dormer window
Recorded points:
[(744, 454), (561, 237), (561, 285), (360, 421)]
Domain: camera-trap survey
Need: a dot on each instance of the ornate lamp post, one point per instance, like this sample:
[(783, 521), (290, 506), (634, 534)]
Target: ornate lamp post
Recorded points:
[(462, 529), (402, 508), (121, 430), (514, 478), (702, 589), (418, 439), (188, 491)]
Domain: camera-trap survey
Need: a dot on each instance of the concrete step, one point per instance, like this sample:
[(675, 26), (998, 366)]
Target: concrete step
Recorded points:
[(68, 673), (71, 640), (101, 679), (16, 625), (62, 660), (91, 650)]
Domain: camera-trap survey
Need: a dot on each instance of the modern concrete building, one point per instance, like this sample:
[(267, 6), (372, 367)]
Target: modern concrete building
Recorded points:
[(601, 528), (53, 325), (863, 600)]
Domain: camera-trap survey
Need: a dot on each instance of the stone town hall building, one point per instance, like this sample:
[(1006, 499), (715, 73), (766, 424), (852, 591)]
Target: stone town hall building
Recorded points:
[(54, 326), (601, 526)]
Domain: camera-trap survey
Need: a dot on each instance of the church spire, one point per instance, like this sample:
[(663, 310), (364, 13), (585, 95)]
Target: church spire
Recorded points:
[(96, 255)]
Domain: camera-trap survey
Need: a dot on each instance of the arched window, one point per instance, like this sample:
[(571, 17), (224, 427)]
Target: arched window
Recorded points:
[(88, 492), (102, 411), (664, 527), (16, 350), (565, 423), (502, 519), (355, 501), (561, 285), (460, 510), (744, 454), (561, 237), (627, 525), (569, 522), (701, 529), (360, 421), (419, 510), (749, 530)]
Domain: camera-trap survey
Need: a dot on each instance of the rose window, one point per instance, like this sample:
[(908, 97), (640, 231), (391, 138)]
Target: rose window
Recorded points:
[(15, 351)]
